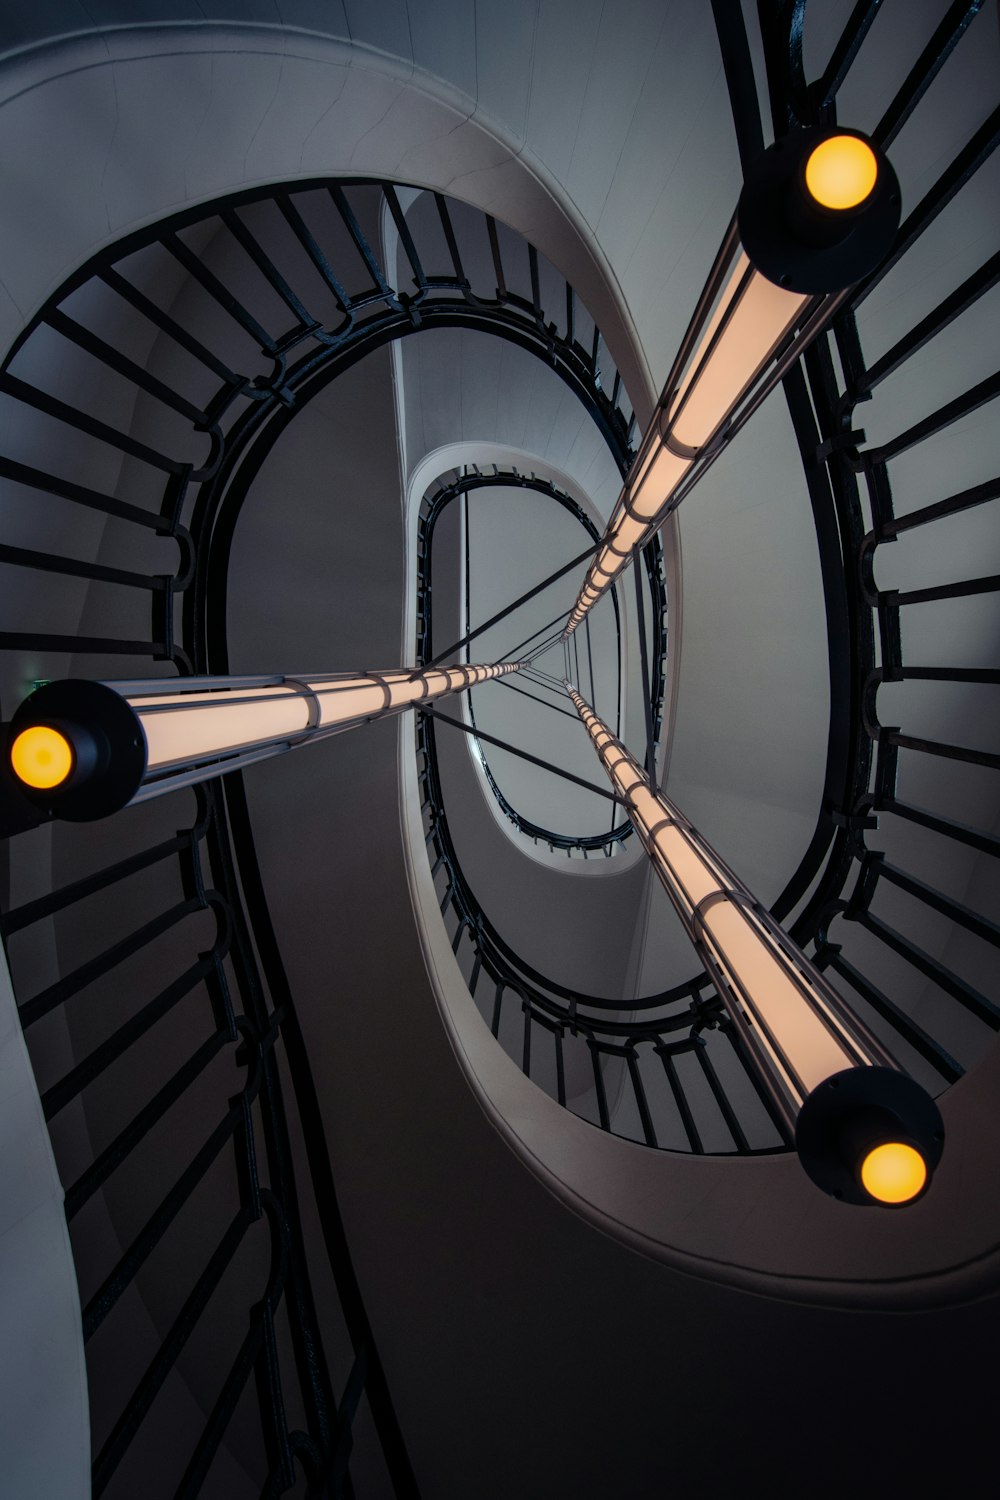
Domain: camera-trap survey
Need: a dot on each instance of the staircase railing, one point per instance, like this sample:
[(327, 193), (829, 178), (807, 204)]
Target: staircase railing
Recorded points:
[(435, 502), (138, 404), (847, 893)]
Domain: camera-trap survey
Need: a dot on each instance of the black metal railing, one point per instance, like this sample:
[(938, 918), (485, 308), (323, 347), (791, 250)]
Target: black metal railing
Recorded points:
[(842, 901), (139, 404), (668, 1069), (940, 1019), (437, 499)]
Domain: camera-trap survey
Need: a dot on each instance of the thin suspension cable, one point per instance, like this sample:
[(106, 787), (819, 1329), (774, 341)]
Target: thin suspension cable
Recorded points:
[(535, 760), (545, 704), (559, 690), (503, 613), (554, 680), (506, 655)]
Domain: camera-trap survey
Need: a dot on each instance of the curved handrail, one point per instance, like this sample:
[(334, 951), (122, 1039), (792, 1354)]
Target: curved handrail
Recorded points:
[(243, 380), (840, 875), (435, 502)]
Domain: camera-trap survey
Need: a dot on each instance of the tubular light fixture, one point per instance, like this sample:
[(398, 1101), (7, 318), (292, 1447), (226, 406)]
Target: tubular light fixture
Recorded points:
[(865, 1132), (81, 750), (817, 213)]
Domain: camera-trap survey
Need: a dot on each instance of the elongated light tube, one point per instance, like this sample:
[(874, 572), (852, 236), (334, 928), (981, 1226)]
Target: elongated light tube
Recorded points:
[(794, 1023), (85, 749), (865, 1132), (741, 322), (818, 211)]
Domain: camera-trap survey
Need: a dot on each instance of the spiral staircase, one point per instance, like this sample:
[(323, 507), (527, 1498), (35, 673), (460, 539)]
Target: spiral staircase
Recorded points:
[(403, 1149)]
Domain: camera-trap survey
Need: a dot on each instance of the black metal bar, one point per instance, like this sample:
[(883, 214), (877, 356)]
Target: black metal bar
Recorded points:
[(510, 608), (984, 842), (964, 166), (68, 645), (984, 391), (305, 237), (222, 1412), (973, 1001), (121, 1277), (267, 268), (738, 69), (947, 35), (126, 1140), (504, 682), (20, 917), (163, 1361), (560, 1066), (450, 240), (962, 298), (961, 590), (907, 1028), (168, 325), (979, 494), (952, 674), (491, 230), (846, 50), (590, 657), (963, 916), (70, 984), (680, 1099), (115, 1046), (490, 739), (70, 567), (602, 1098), (646, 1119), (222, 295), (51, 406), (721, 1098), (949, 752), (362, 246), (135, 374), (406, 238), (313, 1131), (51, 484)]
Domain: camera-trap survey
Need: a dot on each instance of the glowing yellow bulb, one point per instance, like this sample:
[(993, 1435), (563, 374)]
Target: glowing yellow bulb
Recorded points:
[(41, 757), (893, 1173), (841, 172)]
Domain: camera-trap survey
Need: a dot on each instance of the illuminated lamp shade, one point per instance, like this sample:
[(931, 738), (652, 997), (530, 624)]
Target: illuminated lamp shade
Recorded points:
[(41, 757), (893, 1173), (819, 210), (865, 1133), (841, 172), (870, 1136)]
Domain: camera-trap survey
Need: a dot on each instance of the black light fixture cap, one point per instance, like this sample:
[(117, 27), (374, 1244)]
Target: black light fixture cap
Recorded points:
[(108, 744), (796, 242), (851, 1113)]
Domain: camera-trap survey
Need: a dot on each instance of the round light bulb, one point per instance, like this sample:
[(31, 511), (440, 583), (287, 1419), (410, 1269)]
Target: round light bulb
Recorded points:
[(893, 1173), (841, 172), (41, 757)]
